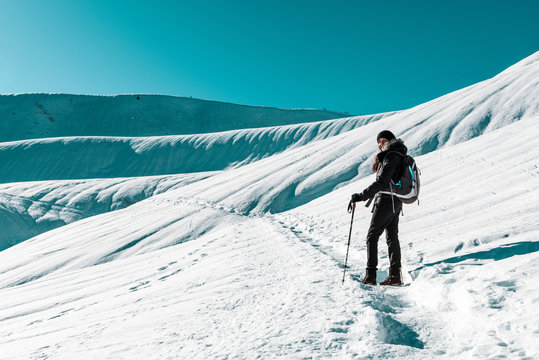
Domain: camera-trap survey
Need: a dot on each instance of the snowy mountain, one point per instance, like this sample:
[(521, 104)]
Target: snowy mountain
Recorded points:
[(129, 169), (241, 257), (37, 116)]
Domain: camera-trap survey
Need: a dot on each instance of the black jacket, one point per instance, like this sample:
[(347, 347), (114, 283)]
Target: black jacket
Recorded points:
[(390, 167)]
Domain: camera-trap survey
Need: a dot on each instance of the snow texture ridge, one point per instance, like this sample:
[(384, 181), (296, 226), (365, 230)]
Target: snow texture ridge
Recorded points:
[(107, 157)]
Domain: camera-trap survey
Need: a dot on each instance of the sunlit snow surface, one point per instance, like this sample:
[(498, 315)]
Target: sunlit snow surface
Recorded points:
[(246, 261)]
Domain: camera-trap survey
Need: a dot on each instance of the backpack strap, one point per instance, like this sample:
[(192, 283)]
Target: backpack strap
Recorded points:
[(403, 167)]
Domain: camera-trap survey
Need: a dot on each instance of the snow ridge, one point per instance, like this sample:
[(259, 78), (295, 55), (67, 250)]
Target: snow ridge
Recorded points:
[(33, 116)]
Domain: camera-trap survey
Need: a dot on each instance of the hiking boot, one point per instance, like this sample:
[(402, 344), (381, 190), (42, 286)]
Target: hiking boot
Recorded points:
[(370, 278), (392, 280)]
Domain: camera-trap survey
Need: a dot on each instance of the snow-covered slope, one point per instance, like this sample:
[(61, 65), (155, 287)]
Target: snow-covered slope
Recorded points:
[(31, 208), (33, 116), (246, 262), (97, 157), (31, 205), (451, 119)]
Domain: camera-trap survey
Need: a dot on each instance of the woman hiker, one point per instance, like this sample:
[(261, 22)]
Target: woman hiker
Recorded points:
[(388, 165)]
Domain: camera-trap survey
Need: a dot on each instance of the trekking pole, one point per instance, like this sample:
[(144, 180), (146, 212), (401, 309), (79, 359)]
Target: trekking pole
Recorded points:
[(348, 247)]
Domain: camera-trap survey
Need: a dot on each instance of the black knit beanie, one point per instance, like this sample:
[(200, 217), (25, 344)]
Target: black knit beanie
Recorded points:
[(386, 134)]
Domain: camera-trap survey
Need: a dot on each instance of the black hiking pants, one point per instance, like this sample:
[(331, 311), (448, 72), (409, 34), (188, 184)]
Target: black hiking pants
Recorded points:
[(384, 218)]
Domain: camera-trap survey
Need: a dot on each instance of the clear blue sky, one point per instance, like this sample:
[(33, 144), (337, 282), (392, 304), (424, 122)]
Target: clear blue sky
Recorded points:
[(351, 56)]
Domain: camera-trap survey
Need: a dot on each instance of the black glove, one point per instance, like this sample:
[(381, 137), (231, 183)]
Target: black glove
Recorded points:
[(355, 198)]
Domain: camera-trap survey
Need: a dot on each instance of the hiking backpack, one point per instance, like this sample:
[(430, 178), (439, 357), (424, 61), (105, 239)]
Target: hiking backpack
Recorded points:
[(407, 188)]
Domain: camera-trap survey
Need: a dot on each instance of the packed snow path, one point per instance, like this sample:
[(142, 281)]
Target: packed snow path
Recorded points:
[(256, 287), (248, 289)]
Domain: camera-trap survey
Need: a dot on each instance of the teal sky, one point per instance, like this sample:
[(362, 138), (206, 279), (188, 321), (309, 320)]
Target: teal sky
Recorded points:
[(357, 56)]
